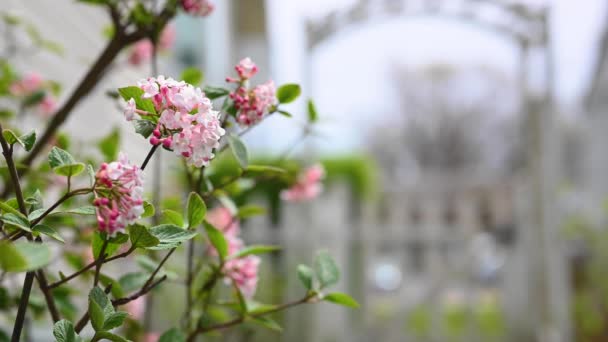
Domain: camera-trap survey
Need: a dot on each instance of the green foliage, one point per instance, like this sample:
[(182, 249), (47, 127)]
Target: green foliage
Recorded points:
[(141, 237), (172, 335), (341, 299), (102, 313), (170, 236), (306, 276), (63, 163), (312, 112), (27, 141), (135, 93), (192, 75), (239, 150), (172, 217), (217, 239), (288, 93), (196, 210), (255, 250), (326, 270), (419, 322), (64, 331), (48, 231), (23, 256), (215, 92), (247, 211)]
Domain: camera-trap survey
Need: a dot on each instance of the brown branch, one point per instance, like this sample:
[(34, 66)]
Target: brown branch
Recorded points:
[(141, 292), (48, 296), (7, 151)]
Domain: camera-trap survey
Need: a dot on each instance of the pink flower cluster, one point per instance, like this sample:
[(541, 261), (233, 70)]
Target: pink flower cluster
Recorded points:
[(30, 84), (187, 124), (118, 195), (143, 49), (251, 103), (242, 271), (307, 187), (199, 8)]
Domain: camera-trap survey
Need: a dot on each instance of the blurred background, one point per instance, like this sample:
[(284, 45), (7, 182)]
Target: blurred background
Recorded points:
[(465, 147)]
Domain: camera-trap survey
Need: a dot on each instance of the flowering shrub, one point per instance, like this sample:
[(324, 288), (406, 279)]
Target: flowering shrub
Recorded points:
[(108, 218)]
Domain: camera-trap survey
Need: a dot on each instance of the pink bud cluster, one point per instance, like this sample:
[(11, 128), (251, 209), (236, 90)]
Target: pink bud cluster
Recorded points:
[(187, 125), (199, 8), (118, 195), (251, 103), (30, 84), (242, 271), (142, 50), (307, 187)]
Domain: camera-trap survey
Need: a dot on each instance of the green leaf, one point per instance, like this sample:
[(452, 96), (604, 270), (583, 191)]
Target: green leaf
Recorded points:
[(114, 320), (141, 237), (148, 210), (34, 98), (267, 322), (133, 281), (135, 93), (170, 236), (23, 256), (64, 331), (254, 250), (305, 274), (326, 269), (9, 209), (98, 302), (48, 231), (239, 150), (264, 170), (247, 211), (110, 145), (192, 75), (105, 335), (341, 299), (196, 210), (84, 210), (285, 113), (16, 221), (91, 173), (288, 93), (28, 140), (11, 137), (215, 92), (144, 127), (172, 217), (312, 112), (69, 170), (172, 335), (110, 248), (117, 291), (34, 200), (59, 157), (217, 239)]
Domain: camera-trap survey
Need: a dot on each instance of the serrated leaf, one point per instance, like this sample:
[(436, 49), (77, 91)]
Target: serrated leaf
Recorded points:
[(326, 269), (144, 127), (59, 157), (247, 211), (28, 140), (341, 299), (196, 210), (114, 320), (215, 92), (23, 256), (312, 112), (64, 331), (48, 231), (141, 237), (135, 93), (239, 150), (98, 301), (306, 275), (192, 76), (288, 93), (172, 335), (170, 236), (148, 210), (172, 217), (69, 170), (254, 250), (217, 239), (18, 221)]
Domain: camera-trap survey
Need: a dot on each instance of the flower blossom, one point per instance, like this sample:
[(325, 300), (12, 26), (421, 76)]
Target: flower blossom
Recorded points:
[(242, 271), (142, 50), (199, 8), (32, 83), (118, 195), (307, 187), (187, 124), (251, 103)]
